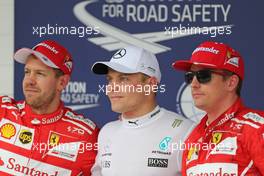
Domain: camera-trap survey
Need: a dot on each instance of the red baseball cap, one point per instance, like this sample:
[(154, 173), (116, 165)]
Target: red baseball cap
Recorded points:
[(214, 55), (50, 53)]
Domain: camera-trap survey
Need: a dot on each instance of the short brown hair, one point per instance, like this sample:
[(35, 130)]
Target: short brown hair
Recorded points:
[(58, 72), (240, 82)]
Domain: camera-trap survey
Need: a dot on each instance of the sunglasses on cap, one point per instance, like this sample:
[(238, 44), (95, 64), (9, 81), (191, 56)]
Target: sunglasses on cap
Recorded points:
[(203, 76)]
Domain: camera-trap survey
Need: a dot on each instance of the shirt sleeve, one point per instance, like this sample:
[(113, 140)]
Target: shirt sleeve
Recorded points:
[(102, 137), (254, 142), (96, 169), (89, 155), (188, 127), (5, 101)]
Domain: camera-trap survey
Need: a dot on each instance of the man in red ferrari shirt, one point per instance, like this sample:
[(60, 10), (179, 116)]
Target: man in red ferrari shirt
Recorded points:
[(229, 140), (40, 136)]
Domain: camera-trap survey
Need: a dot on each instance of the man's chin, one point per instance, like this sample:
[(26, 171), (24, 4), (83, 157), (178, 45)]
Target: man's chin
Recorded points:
[(198, 104), (116, 109), (31, 102)]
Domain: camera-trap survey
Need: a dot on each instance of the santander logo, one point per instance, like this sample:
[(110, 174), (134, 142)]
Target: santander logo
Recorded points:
[(15, 164), (26, 170)]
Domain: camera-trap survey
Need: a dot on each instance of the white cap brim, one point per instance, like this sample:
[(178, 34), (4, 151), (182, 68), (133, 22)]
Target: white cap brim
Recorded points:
[(22, 54)]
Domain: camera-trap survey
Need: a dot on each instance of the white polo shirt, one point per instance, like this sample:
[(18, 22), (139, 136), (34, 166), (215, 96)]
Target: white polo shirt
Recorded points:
[(146, 146)]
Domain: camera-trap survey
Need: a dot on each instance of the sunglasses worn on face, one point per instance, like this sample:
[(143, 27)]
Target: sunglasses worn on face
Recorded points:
[(203, 76)]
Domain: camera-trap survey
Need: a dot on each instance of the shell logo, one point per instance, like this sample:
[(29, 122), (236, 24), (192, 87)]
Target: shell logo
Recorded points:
[(7, 130)]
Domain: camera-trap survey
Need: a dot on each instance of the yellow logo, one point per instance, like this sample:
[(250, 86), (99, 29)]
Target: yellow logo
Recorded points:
[(228, 54), (217, 137), (25, 136), (192, 151), (7, 130), (54, 139)]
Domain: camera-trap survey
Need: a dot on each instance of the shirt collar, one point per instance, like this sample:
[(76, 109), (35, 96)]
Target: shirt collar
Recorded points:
[(142, 120), (43, 119), (226, 116)]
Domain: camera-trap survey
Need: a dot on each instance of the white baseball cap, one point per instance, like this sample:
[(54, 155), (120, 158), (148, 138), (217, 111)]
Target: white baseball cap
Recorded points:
[(131, 59)]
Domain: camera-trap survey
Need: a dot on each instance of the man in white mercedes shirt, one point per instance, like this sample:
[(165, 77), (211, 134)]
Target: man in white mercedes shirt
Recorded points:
[(146, 139)]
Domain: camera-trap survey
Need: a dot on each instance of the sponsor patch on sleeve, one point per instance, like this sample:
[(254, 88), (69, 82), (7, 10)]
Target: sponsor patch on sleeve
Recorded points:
[(80, 118), (254, 117), (6, 100)]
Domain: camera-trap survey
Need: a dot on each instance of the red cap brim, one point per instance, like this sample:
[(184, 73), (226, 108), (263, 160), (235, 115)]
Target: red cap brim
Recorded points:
[(182, 65), (185, 65)]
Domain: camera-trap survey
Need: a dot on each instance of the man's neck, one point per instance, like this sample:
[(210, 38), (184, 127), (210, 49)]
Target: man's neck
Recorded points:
[(220, 109), (46, 109), (144, 109)]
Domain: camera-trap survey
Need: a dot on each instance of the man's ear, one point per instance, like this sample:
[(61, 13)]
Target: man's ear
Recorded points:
[(62, 82), (153, 81), (233, 82)]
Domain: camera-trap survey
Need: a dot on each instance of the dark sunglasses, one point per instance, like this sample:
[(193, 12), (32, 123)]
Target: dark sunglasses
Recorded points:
[(203, 76)]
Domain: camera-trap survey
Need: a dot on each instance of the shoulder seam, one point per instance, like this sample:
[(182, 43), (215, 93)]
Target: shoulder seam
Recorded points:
[(77, 124), (246, 123), (80, 119), (254, 117)]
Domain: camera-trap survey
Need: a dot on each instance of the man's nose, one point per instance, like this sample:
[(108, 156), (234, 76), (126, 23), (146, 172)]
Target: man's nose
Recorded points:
[(195, 83), (31, 79)]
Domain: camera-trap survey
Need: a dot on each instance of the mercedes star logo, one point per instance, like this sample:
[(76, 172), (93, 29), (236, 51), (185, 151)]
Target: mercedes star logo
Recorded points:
[(120, 53)]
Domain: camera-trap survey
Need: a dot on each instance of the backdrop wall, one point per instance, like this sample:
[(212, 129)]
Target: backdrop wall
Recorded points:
[(94, 30)]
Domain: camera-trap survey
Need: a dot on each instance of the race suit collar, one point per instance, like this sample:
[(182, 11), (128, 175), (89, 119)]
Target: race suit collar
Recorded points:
[(143, 120), (226, 116), (43, 119)]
